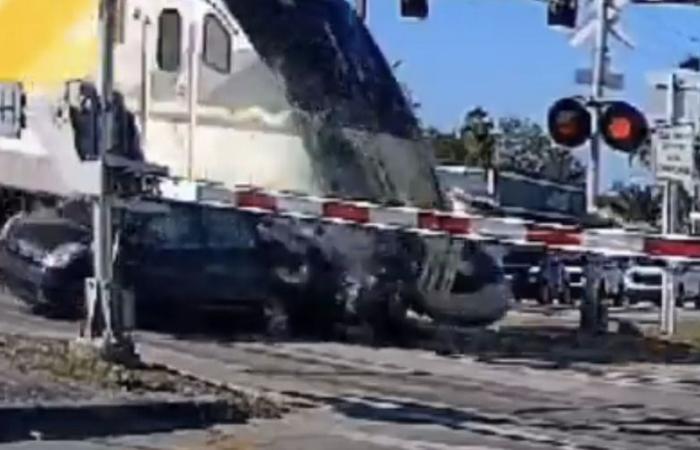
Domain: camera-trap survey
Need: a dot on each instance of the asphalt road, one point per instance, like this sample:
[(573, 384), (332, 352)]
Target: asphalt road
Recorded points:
[(386, 398)]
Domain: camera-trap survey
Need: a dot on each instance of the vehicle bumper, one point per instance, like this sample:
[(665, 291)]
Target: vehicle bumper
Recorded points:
[(642, 295)]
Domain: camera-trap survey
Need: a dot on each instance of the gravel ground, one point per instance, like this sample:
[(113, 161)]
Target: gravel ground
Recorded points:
[(36, 370)]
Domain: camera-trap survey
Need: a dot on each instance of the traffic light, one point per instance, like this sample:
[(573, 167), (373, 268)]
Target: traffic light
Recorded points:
[(569, 122), (417, 9), (623, 126), (562, 13)]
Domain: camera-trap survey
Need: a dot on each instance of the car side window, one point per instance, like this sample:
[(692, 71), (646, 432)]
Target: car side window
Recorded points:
[(178, 230), (229, 229), (217, 45)]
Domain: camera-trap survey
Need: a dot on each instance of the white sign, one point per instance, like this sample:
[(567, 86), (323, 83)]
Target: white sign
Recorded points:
[(614, 81), (674, 148)]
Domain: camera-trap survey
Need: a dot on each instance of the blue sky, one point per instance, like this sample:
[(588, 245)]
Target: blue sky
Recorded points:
[(501, 55)]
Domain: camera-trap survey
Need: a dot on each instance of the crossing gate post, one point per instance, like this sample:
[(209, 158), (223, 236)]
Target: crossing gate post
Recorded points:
[(593, 313), (667, 319)]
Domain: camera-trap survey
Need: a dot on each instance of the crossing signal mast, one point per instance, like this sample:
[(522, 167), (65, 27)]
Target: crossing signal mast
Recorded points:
[(562, 13), (621, 126), (414, 9)]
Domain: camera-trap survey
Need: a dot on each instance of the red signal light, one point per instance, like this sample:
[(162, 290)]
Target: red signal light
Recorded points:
[(623, 126), (620, 128)]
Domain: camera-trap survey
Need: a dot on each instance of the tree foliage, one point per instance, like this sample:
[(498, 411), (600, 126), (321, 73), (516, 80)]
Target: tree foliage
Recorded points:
[(519, 145), (633, 203)]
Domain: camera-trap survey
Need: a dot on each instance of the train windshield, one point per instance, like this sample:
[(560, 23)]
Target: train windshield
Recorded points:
[(329, 61)]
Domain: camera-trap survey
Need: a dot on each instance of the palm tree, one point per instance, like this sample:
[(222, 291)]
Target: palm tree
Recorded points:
[(478, 138), (634, 203)]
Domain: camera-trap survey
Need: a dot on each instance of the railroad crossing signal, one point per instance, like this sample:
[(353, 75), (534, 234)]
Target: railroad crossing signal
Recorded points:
[(569, 122), (622, 126), (562, 13), (417, 9)]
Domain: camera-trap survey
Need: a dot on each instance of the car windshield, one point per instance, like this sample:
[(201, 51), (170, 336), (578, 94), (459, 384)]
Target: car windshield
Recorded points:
[(329, 61)]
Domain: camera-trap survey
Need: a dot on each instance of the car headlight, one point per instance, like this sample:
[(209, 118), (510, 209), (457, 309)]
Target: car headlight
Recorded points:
[(62, 255), (299, 276)]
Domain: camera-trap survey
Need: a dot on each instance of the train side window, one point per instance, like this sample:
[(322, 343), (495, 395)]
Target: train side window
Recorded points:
[(217, 45), (169, 40)]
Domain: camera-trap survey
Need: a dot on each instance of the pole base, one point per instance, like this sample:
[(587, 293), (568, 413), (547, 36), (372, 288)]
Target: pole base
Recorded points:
[(121, 351)]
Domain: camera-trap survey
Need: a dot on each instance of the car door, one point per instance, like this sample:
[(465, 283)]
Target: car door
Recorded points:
[(233, 267), (163, 254)]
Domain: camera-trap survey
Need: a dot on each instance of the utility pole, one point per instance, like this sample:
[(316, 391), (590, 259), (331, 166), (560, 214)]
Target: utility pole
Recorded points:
[(600, 65), (106, 335), (361, 8)]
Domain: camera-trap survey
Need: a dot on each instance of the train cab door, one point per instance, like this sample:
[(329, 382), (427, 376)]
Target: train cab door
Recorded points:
[(169, 79)]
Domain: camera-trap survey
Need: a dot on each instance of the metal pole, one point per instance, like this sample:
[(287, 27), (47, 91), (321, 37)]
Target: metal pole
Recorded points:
[(192, 97), (666, 208), (669, 197), (102, 217), (145, 75), (361, 8), (668, 300), (600, 60), (593, 317)]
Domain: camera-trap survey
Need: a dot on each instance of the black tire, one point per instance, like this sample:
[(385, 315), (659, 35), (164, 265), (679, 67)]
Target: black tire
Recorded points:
[(697, 303), (619, 298), (566, 297), (680, 300), (545, 295)]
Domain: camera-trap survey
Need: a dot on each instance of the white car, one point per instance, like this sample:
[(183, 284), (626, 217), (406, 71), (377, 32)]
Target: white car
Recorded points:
[(642, 282)]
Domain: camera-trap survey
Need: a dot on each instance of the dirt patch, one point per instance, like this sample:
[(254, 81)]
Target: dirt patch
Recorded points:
[(48, 365), (564, 345)]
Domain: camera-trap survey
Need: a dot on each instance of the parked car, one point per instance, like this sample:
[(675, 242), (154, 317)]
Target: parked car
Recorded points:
[(643, 281), (689, 283), (521, 265), (536, 273), (612, 284), (44, 260), (575, 280)]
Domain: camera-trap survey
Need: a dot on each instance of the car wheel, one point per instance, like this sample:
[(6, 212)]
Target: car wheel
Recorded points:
[(545, 295)]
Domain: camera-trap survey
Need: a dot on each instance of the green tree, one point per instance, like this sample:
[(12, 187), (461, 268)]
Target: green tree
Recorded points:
[(523, 145), (526, 148), (477, 135), (448, 148), (633, 203)]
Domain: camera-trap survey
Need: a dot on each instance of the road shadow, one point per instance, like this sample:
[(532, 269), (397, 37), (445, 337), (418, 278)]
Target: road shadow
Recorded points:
[(624, 419)]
